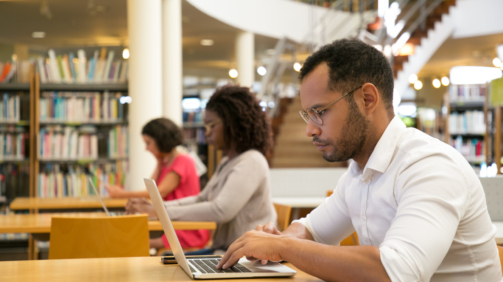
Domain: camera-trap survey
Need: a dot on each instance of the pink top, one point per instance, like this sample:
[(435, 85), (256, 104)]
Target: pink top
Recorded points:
[(184, 166)]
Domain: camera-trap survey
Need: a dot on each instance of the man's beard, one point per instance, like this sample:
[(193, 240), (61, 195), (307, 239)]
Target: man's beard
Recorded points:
[(353, 137)]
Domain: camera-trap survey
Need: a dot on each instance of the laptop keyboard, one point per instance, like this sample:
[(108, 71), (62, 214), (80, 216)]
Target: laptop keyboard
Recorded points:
[(210, 266)]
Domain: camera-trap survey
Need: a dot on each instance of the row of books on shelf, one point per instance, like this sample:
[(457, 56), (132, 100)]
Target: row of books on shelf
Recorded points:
[(471, 149), (80, 107), (10, 108), (15, 71), (14, 146), (468, 122), (55, 181), (462, 93), (195, 116), (14, 180), (82, 143), (194, 135), (68, 68)]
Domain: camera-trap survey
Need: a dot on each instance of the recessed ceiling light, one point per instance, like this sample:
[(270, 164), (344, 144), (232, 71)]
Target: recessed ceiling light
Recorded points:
[(233, 73), (38, 34), (445, 81), (297, 66), (436, 83), (412, 78), (207, 42), (261, 70), (125, 53), (418, 85)]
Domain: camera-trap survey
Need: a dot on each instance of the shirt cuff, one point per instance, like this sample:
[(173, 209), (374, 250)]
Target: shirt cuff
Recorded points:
[(396, 266), (308, 226)]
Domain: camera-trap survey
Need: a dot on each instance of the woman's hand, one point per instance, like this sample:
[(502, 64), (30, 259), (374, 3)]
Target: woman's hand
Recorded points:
[(136, 205), (115, 191)]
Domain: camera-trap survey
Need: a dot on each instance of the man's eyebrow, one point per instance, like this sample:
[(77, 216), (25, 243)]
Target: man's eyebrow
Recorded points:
[(315, 106)]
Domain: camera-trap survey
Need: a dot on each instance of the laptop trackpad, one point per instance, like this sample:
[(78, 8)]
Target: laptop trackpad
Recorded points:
[(257, 266)]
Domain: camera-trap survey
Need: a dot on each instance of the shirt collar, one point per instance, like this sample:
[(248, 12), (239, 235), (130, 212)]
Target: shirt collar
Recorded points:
[(383, 152)]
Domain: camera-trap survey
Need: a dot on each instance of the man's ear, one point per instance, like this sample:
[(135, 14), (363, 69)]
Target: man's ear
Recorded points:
[(371, 98)]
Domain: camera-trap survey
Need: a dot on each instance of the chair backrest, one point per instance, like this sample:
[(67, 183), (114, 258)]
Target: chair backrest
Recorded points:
[(500, 251), (351, 240), (283, 213), (99, 237)]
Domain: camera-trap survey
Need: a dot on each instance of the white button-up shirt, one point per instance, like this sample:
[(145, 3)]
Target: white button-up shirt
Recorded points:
[(421, 204)]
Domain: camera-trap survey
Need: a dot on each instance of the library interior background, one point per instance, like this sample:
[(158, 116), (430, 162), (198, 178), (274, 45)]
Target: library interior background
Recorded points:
[(79, 79)]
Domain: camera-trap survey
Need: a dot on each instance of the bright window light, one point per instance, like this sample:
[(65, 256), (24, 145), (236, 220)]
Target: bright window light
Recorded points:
[(436, 83), (382, 7), (407, 110), (263, 104), (271, 104), (125, 100), (191, 103), (233, 73), (497, 62), (261, 70), (445, 81), (412, 78), (378, 47), (473, 75)]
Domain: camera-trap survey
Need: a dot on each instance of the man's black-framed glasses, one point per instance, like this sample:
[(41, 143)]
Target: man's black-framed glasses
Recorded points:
[(315, 115)]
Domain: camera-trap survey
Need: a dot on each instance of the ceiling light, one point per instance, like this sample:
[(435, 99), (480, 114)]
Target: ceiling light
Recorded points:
[(412, 78), (207, 42), (418, 85), (270, 52), (445, 81), (297, 66), (497, 62), (473, 75), (125, 53), (261, 70), (436, 83), (38, 34), (233, 73)]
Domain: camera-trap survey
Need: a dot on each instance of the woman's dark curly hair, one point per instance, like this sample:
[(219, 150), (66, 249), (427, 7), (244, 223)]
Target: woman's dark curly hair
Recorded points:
[(245, 124), (166, 134)]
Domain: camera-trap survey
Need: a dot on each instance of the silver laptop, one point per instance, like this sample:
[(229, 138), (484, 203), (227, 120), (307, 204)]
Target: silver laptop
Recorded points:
[(205, 268)]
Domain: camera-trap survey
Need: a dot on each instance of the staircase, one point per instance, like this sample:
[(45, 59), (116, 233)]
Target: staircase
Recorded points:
[(419, 34), (292, 147)]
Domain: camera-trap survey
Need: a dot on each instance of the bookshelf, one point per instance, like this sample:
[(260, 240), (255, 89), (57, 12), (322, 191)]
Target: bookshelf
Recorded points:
[(469, 121), (90, 123)]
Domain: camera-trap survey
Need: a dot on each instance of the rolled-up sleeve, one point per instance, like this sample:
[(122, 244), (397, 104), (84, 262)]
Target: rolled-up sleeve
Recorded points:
[(431, 196), (330, 222)]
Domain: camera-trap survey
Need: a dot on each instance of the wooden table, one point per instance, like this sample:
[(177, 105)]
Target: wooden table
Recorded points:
[(110, 270), (41, 223), (21, 203)]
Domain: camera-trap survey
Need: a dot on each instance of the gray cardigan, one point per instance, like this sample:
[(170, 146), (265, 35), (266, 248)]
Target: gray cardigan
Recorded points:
[(237, 198)]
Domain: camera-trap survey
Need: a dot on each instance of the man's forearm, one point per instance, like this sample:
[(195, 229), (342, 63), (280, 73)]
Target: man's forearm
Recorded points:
[(299, 231), (334, 263)]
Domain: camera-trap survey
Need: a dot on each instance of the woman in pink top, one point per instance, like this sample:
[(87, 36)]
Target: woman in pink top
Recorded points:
[(175, 175)]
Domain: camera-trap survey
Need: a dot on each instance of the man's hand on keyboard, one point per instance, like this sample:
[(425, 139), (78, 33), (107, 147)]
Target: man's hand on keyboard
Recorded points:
[(267, 228), (254, 244)]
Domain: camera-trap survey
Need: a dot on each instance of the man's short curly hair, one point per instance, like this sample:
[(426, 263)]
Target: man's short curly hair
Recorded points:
[(352, 63), (245, 124), (166, 134)]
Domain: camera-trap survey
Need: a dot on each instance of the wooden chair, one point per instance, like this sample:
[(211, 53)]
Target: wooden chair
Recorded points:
[(99, 237), (283, 213), (500, 251), (352, 240)]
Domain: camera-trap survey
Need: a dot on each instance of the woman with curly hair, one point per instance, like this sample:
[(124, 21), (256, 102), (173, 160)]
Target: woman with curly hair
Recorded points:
[(237, 197)]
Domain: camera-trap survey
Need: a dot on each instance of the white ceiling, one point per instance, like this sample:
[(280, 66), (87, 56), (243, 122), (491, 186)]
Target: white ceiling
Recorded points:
[(71, 24)]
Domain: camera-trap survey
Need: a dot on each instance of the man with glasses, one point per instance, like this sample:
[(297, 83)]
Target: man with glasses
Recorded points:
[(417, 205)]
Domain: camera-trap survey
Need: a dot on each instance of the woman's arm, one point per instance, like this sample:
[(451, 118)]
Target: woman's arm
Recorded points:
[(167, 185)]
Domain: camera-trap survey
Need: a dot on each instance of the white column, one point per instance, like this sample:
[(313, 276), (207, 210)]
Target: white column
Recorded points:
[(145, 84), (245, 58), (172, 60)]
